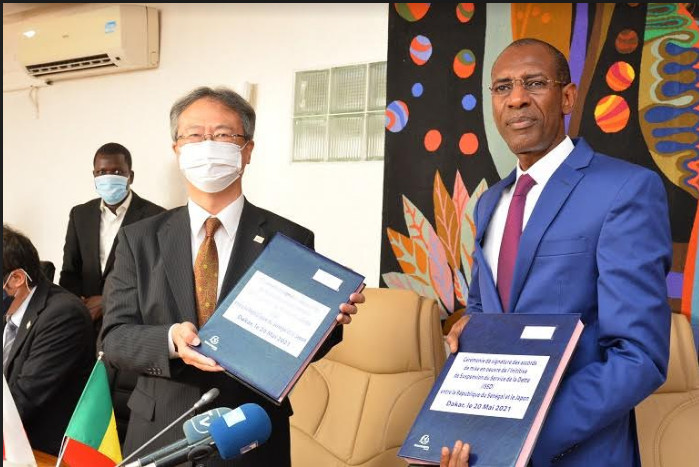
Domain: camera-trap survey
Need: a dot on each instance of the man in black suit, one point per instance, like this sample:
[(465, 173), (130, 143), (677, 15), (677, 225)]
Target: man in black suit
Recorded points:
[(88, 253), (150, 302), (48, 344)]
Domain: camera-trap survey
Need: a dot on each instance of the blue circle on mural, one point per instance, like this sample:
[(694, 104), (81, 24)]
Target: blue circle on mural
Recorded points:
[(417, 90), (396, 116), (468, 102)]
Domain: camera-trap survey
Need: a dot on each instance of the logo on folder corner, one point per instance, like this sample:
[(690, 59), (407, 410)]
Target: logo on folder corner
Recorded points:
[(424, 443), (212, 342)]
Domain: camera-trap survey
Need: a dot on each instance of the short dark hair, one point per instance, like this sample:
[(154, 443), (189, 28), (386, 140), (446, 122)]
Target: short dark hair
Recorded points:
[(562, 67), (225, 96), (18, 252), (113, 149)]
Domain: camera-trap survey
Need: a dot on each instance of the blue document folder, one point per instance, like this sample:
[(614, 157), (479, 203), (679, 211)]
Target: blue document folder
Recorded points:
[(495, 391), (269, 327)]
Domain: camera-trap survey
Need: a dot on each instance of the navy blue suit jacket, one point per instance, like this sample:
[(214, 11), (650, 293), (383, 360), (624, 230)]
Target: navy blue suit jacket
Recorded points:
[(597, 243)]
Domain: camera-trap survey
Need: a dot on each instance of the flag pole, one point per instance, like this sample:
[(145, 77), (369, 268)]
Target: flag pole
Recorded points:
[(64, 442)]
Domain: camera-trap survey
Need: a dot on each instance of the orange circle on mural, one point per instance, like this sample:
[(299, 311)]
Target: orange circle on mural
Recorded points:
[(468, 144), (433, 139), (412, 11), (612, 113), (464, 63), (464, 12), (620, 76), (626, 41)]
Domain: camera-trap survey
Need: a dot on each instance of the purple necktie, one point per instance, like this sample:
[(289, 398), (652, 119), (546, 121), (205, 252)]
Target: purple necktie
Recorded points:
[(510, 238)]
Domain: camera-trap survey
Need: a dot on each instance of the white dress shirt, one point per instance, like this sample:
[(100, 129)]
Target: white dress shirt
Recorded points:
[(109, 227), (541, 172)]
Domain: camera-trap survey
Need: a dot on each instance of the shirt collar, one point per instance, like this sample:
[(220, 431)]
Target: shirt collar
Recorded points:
[(229, 216), (542, 169), (17, 316), (122, 207)]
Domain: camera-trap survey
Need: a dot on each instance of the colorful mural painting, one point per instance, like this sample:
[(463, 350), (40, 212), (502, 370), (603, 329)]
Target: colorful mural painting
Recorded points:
[(637, 70)]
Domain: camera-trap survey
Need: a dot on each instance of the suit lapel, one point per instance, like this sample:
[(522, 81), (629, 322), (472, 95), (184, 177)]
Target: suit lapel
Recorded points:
[(486, 209), (174, 239), (552, 198), (245, 246), (134, 213), (490, 299), (35, 307), (91, 228)]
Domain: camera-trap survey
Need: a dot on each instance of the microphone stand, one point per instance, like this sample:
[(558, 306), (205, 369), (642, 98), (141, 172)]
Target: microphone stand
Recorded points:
[(205, 399), (198, 455)]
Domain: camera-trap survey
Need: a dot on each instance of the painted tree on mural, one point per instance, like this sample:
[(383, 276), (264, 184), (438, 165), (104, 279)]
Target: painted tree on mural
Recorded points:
[(436, 263)]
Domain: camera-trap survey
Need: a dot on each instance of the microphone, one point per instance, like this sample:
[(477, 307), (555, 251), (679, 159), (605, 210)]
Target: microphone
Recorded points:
[(195, 429), (232, 435), (207, 397)]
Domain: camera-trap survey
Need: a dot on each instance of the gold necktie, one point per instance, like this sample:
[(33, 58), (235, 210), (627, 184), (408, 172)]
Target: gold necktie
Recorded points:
[(206, 272)]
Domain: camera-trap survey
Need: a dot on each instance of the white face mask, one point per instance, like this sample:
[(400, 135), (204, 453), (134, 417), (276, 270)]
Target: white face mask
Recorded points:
[(211, 166)]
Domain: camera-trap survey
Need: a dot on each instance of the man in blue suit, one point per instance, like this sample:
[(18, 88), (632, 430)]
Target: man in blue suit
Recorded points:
[(595, 240)]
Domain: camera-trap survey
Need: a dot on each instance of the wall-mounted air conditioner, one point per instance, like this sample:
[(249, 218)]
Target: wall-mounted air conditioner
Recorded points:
[(101, 40)]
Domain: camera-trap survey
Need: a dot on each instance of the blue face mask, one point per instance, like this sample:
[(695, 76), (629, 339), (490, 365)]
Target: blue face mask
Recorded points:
[(112, 188)]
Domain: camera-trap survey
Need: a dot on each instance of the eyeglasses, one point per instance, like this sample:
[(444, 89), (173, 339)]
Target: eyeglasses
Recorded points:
[(531, 85), (219, 137)]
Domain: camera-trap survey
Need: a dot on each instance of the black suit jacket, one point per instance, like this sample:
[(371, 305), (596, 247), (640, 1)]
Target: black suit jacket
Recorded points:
[(52, 357), (81, 272), (151, 288)]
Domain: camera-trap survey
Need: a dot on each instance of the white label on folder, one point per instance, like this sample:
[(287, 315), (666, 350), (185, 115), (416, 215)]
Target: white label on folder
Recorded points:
[(276, 313), (538, 332), (493, 385), (328, 279)]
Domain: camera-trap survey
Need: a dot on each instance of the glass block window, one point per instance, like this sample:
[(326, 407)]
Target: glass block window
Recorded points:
[(339, 114)]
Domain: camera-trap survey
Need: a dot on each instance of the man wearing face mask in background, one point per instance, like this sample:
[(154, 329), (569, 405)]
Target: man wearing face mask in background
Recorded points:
[(88, 253), (48, 344), (151, 303)]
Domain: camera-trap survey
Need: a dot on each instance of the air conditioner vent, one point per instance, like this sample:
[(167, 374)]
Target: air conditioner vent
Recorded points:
[(61, 66)]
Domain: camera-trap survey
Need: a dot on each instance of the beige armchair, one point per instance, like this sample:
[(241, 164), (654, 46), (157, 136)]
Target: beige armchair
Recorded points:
[(668, 420), (355, 406)]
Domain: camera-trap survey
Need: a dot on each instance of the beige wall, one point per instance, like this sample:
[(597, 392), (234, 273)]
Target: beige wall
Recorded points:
[(47, 153)]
